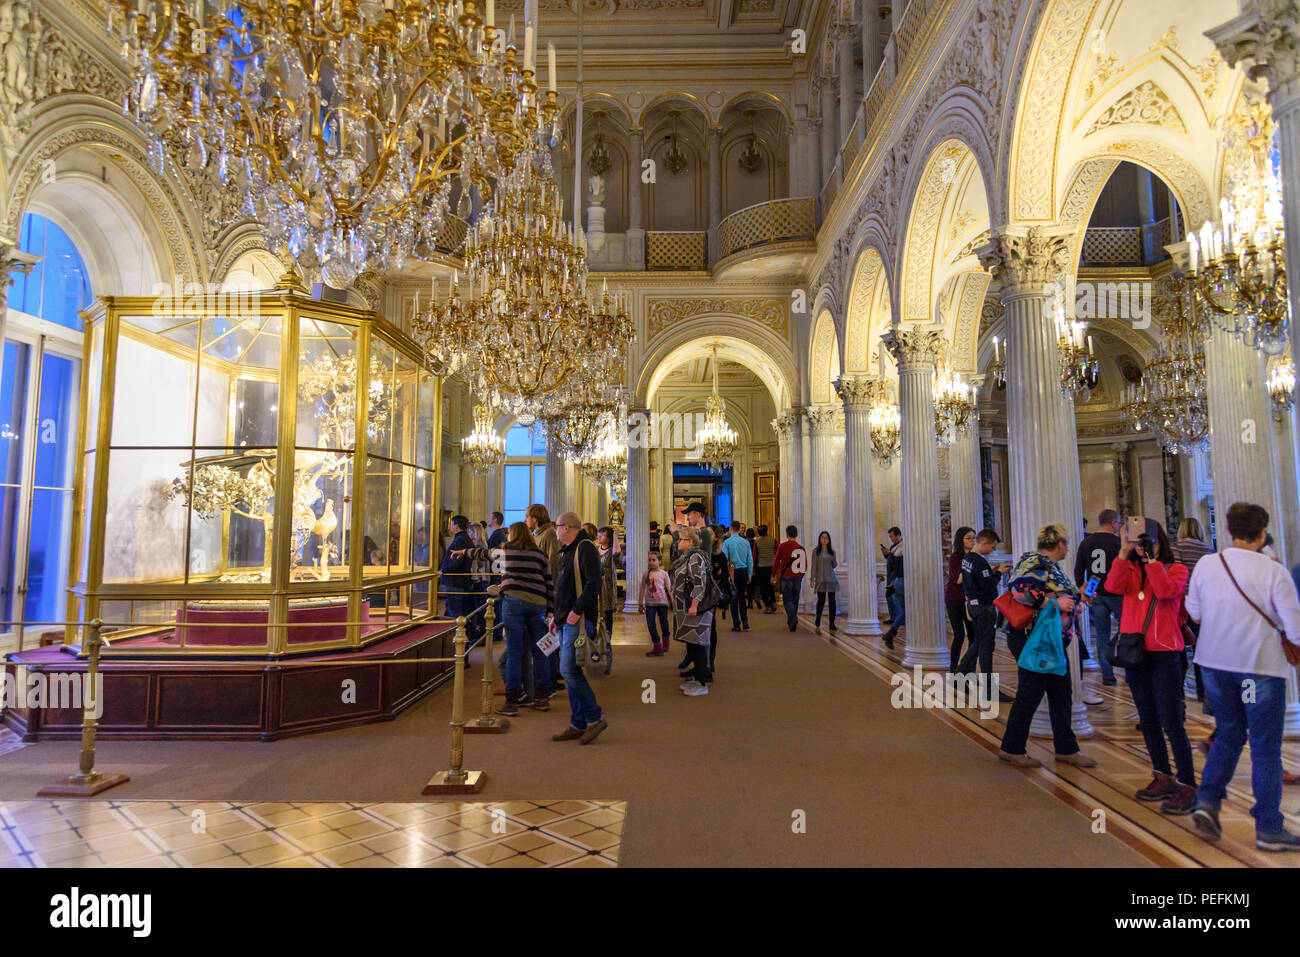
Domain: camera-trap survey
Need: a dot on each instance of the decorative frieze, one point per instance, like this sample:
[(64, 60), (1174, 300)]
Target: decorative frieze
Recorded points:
[(770, 313)]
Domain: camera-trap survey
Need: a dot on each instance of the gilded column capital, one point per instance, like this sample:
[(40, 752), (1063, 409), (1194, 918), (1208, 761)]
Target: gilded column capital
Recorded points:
[(913, 347), (787, 423), (857, 391), (1266, 40), (1027, 261), (825, 419)]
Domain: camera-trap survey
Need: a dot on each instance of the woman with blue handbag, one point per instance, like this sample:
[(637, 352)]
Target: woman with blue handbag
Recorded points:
[(1037, 582)]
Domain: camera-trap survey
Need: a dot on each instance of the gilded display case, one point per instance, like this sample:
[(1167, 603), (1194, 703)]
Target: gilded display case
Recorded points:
[(257, 474)]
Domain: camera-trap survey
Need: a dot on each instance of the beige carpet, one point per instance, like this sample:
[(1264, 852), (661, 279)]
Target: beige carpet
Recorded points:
[(791, 725)]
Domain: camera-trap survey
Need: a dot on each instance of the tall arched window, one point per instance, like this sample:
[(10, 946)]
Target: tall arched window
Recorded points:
[(58, 285), (524, 474)]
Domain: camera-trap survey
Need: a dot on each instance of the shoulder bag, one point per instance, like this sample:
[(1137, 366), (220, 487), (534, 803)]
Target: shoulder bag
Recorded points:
[(592, 652), (1044, 650), (1129, 649), (1289, 648)]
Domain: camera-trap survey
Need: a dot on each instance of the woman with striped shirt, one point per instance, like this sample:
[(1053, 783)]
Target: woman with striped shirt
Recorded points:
[(526, 599)]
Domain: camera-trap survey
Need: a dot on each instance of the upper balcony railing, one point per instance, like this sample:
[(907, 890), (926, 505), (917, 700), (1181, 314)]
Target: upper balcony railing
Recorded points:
[(775, 221), (676, 250), (1127, 245)]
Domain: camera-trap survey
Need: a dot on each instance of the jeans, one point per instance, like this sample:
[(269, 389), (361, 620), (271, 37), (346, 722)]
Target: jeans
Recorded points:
[(980, 638), (766, 594), (739, 608), (897, 609), (698, 656), (822, 596), (957, 618), (525, 625), (1028, 694), (583, 709), (791, 586), (661, 613), (1260, 720), (1158, 693), (1102, 610)]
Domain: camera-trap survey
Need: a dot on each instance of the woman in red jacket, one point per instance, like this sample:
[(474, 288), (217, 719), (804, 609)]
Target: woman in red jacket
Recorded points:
[(1145, 573)]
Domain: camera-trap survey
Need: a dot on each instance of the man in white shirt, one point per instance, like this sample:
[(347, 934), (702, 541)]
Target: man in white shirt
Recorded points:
[(1240, 654)]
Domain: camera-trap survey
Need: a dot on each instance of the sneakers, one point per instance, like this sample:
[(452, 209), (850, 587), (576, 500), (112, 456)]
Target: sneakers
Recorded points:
[(1162, 786), (1078, 759), (1206, 820), (568, 734), (1281, 841), (509, 707), (1019, 760), (689, 686), (1110, 682), (593, 732), (1182, 802), (832, 627), (541, 701), (696, 691)]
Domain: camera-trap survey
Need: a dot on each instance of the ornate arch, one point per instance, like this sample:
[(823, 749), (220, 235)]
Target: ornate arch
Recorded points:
[(767, 355), (823, 359), (868, 310)]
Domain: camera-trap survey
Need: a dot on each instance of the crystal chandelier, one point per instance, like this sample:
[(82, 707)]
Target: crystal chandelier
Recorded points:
[(750, 159), (999, 366), (886, 426), (607, 463), (1170, 401), (522, 324), (1281, 388), (1079, 368), (717, 441), (1239, 268), (675, 157), (580, 416), (954, 405), (482, 450), (343, 124)]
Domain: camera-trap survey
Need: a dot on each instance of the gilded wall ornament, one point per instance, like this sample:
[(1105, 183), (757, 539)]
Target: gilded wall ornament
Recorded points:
[(662, 313), (1145, 103)]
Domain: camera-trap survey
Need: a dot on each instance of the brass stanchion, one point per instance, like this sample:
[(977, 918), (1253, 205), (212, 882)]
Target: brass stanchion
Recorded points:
[(456, 780), (487, 722), (87, 781)]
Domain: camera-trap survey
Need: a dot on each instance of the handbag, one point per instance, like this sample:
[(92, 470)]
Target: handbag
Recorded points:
[(1129, 649), (1044, 650), (1018, 616), (1289, 648), (593, 653)]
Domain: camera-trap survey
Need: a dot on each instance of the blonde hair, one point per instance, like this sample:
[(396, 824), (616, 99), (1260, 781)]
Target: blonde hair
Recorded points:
[(688, 531), (1190, 528), (1049, 536)]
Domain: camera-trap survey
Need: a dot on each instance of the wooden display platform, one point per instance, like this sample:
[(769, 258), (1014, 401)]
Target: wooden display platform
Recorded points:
[(243, 699)]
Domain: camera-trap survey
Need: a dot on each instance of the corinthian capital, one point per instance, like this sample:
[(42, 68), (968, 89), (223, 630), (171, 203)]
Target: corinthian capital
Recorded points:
[(858, 391), (824, 419), (1026, 261), (913, 347), (1266, 39)]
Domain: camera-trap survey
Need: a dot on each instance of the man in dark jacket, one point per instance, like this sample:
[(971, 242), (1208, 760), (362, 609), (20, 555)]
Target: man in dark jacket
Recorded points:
[(1093, 560), (575, 614), (455, 573)]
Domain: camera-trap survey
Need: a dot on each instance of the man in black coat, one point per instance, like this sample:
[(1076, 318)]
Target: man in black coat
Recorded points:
[(454, 573), (575, 614)]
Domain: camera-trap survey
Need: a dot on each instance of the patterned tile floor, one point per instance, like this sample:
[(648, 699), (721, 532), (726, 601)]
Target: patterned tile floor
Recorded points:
[(1124, 767), (224, 834)]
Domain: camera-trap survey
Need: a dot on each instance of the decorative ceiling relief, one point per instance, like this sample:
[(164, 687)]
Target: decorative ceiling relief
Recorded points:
[(663, 313), (1145, 103)]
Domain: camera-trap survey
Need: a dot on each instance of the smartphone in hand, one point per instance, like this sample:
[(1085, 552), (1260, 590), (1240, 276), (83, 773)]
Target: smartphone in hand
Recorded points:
[(1135, 525), (1091, 588)]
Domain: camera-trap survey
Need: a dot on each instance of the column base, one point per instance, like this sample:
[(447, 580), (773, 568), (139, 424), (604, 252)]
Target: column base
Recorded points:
[(927, 657), (1290, 721), (1041, 726), (631, 608), (863, 626)]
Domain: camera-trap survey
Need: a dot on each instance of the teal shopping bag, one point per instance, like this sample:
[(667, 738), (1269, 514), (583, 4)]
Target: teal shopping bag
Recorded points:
[(1044, 650)]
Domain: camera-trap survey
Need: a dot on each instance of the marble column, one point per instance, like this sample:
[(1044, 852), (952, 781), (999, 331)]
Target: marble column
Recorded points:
[(1043, 454), (829, 138), (715, 189), (915, 351), (871, 43), (965, 486), (1169, 463), (1123, 478), (783, 426), (637, 517), (804, 444), (1241, 466), (859, 547), (827, 452), (635, 201), (847, 83), (557, 499), (988, 513)]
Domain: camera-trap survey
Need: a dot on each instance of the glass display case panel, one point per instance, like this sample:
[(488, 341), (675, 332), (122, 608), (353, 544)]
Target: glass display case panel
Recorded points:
[(423, 537), (256, 412), (383, 435), (87, 501), (322, 489), (153, 398), (424, 434), (327, 385), (94, 375), (406, 383), (232, 507), (377, 557), (144, 525)]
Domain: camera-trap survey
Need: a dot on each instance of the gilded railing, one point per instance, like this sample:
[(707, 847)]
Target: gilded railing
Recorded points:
[(909, 30), (875, 98), (829, 191), (678, 250), (776, 221), (1125, 245), (852, 142)]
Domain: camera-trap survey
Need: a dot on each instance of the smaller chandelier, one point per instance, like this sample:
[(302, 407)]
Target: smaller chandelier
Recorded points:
[(999, 366), (607, 464), (718, 442), (1079, 368), (675, 157), (482, 450), (750, 159), (886, 427), (1281, 389), (954, 406)]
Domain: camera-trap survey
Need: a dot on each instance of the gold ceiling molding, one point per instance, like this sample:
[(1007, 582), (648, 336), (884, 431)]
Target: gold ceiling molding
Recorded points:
[(662, 313), (1146, 103)]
